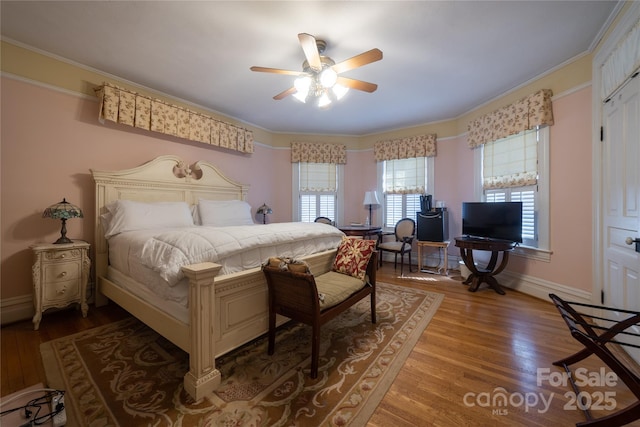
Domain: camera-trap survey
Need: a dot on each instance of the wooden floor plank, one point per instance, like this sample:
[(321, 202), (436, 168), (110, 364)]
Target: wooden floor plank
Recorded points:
[(476, 343)]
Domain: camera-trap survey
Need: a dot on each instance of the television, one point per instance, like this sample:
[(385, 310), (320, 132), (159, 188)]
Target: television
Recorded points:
[(493, 220)]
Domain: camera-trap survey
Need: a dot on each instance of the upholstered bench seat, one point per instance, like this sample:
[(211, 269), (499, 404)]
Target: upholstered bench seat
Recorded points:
[(334, 287), (299, 295)]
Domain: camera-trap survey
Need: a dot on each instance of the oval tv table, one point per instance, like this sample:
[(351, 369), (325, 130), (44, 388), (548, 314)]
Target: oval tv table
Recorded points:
[(486, 275)]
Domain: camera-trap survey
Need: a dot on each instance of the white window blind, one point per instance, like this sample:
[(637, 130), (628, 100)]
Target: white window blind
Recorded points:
[(400, 206), (511, 161), (315, 205), (404, 176), (318, 177), (527, 196), (317, 189)]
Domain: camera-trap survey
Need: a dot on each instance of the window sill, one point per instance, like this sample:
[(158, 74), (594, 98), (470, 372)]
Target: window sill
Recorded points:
[(533, 253)]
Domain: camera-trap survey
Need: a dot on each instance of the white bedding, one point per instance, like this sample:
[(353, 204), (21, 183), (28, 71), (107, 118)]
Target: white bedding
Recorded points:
[(237, 248)]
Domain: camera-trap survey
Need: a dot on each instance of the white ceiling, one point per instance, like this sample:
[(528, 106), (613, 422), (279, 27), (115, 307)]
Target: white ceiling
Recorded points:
[(441, 58)]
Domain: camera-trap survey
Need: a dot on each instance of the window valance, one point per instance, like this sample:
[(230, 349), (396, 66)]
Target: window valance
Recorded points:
[(405, 148), (130, 108), (524, 114), (318, 152)]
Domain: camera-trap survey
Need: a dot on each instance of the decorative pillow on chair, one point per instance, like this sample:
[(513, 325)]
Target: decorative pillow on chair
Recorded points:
[(353, 256)]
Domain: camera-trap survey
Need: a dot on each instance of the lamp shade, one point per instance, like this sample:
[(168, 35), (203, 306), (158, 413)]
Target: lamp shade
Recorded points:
[(264, 210), (63, 211), (371, 198)]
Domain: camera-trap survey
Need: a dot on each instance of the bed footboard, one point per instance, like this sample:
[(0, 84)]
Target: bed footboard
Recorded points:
[(203, 377)]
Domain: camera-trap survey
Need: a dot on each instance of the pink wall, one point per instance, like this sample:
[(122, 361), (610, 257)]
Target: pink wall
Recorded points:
[(50, 140), (360, 177), (571, 217), (571, 200), (454, 182)]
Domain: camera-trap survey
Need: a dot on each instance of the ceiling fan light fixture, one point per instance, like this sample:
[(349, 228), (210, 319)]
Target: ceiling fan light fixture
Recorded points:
[(302, 85), (324, 100), (328, 78), (339, 91), (319, 78)]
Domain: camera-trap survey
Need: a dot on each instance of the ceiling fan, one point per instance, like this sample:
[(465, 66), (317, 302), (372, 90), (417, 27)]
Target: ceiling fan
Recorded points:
[(320, 76)]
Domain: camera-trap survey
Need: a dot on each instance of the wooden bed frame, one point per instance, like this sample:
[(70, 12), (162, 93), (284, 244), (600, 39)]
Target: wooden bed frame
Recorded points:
[(224, 311)]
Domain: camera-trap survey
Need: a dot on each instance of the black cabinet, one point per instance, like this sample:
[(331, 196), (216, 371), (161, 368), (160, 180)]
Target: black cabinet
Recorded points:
[(433, 226)]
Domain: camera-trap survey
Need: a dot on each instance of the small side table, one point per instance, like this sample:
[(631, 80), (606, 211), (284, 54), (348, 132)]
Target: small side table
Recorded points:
[(60, 276), (441, 246), (484, 275)]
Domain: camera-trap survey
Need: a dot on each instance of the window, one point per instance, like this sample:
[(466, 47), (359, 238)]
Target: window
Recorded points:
[(313, 205), (515, 169), (526, 195), (316, 189), (403, 181), (398, 206)]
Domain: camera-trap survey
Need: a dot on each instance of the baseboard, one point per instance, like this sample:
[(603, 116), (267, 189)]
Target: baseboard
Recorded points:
[(529, 285), (541, 288), (16, 309)]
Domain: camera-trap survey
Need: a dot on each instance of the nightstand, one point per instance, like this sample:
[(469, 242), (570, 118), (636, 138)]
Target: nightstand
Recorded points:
[(60, 276)]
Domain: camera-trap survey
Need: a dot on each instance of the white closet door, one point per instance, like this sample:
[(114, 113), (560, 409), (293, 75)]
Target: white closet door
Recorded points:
[(621, 200)]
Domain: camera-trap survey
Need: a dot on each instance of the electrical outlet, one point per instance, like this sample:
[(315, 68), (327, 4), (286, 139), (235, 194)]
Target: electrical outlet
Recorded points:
[(57, 405)]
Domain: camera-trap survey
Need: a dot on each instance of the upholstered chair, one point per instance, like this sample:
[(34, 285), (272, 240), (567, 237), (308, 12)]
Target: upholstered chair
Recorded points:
[(404, 232), (324, 220)]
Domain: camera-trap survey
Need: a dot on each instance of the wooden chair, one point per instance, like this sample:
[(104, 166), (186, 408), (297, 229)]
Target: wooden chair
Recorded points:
[(600, 340), (324, 220), (404, 231), (300, 296)]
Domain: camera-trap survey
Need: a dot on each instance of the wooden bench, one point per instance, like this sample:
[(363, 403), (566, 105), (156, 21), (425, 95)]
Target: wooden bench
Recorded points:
[(315, 300), (598, 331)]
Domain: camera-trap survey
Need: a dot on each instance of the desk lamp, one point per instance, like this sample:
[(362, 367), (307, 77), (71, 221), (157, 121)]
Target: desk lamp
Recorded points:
[(264, 210), (63, 211), (370, 199)]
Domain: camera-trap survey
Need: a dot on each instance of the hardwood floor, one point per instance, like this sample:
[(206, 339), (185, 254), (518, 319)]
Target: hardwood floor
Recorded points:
[(479, 346)]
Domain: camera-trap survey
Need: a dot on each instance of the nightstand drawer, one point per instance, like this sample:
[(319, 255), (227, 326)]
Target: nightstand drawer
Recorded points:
[(63, 255), (67, 290), (61, 272)]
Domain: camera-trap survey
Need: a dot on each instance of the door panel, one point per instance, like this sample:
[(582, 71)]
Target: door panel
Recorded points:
[(621, 198)]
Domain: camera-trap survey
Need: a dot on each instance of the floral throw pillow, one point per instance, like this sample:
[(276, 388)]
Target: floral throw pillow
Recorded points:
[(353, 256)]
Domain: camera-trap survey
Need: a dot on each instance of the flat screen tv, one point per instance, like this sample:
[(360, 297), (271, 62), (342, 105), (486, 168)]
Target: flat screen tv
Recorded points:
[(493, 220)]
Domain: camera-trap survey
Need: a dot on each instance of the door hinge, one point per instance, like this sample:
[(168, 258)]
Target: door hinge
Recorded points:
[(601, 133), (602, 297)]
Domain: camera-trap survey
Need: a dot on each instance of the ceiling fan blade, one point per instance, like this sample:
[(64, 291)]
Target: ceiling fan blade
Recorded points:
[(286, 93), (357, 84), (276, 71), (310, 48), (365, 58)]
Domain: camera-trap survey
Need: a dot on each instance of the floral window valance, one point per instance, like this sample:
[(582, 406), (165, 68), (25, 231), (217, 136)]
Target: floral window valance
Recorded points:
[(405, 148), (130, 108), (524, 114), (318, 152)]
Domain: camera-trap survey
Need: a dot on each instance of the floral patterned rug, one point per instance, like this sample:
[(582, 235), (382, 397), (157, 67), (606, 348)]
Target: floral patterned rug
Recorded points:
[(125, 374)]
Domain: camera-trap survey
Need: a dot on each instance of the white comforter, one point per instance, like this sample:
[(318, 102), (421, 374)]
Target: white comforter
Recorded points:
[(248, 246)]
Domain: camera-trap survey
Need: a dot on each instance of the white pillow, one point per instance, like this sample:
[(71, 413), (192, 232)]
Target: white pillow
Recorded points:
[(128, 215), (221, 213)]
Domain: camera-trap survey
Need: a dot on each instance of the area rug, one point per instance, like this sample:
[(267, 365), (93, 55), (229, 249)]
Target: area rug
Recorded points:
[(125, 374)]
